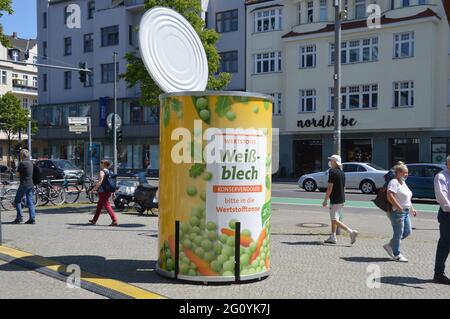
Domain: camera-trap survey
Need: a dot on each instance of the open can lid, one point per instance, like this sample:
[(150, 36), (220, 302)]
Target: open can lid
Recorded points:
[(172, 51)]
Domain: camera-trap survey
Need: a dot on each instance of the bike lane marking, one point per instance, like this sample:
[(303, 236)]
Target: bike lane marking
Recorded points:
[(350, 204), (100, 285)]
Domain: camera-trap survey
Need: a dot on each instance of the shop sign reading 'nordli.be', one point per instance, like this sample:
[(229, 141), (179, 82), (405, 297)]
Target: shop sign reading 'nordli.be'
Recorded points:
[(326, 121)]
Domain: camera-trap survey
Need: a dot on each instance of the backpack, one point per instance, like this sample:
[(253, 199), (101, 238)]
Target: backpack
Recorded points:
[(109, 182), (37, 176), (381, 200)]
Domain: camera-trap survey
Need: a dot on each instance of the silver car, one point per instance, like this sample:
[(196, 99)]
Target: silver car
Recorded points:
[(364, 176)]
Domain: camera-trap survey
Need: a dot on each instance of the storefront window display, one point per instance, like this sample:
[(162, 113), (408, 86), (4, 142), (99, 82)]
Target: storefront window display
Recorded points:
[(405, 150), (439, 149), (308, 157), (136, 114), (357, 150)]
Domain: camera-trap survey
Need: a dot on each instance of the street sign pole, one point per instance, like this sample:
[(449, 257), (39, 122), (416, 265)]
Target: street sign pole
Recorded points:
[(337, 78), (29, 133), (115, 112), (90, 148)]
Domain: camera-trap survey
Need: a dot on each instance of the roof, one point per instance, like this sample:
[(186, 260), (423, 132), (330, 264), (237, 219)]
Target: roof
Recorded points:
[(363, 23), (249, 2), (21, 44)]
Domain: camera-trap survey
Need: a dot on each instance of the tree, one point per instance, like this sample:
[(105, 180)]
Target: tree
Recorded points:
[(137, 73), (5, 6), (13, 118)]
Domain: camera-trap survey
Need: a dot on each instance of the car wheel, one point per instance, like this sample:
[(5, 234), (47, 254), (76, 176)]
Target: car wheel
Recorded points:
[(309, 185), (367, 187)]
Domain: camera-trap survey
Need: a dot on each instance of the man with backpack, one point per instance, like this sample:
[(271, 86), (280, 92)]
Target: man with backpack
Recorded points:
[(106, 185), (26, 174)]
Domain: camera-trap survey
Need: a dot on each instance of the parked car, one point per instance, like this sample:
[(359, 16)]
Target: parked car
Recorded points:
[(5, 172), (421, 179), (59, 169), (364, 176)]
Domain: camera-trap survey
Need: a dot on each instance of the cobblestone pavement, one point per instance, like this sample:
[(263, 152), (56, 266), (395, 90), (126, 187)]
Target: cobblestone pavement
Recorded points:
[(302, 267)]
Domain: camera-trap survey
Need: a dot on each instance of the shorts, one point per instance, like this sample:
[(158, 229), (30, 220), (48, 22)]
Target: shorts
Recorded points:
[(335, 211)]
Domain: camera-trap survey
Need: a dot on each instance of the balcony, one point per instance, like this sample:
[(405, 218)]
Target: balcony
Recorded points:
[(21, 86)]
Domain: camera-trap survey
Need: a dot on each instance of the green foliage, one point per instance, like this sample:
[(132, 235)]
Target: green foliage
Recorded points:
[(5, 6), (137, 73)]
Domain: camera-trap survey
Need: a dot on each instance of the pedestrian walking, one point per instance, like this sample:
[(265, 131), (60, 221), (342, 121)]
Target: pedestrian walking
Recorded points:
[(26, 186), (442, 192), (336, 194), (104, 194), (399, 196)]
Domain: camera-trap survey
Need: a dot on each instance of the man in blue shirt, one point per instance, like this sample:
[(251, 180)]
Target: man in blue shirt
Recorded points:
[(442, 192)]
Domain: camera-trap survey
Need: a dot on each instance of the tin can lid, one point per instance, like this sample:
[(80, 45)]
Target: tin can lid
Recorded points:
[(172, 51)]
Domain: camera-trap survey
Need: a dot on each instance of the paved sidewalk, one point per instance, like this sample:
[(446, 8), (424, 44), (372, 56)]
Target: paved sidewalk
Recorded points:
[(302, 267)]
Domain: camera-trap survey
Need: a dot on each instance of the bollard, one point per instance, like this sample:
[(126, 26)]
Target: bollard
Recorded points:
[(177, 248), (1, 239), (237, 252)]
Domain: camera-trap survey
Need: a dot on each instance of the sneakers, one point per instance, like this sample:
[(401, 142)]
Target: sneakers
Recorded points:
[(353, 236), (114, 224), (331, 240), (30, 222), (400, 258), (388, 249), (17, 221), (441, 279)]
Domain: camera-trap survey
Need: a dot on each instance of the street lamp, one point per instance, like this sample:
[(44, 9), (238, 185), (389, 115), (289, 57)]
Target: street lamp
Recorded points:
[(29, 133), (337, 76)]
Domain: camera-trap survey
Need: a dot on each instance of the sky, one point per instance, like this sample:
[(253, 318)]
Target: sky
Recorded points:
[(22, 21)]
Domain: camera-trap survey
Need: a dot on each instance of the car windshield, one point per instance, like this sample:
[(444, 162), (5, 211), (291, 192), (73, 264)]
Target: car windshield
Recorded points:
[(65, 165), (379, 168)]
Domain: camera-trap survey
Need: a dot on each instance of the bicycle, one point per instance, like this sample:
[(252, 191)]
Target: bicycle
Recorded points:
[(8, 194), (87, 184), (72, 191), (45, 192)]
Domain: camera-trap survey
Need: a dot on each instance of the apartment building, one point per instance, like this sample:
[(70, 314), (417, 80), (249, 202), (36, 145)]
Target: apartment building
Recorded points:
[(19, 79), (395, 80)]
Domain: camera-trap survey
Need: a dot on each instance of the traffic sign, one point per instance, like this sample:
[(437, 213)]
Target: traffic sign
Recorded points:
[(78, 128), (78, 121), (118, 121)]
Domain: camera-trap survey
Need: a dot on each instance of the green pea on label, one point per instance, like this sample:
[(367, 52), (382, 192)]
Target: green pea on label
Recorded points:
[(191, 190), (202, 103)]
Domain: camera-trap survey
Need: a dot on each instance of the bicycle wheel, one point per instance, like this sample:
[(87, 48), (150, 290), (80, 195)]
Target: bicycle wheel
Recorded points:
[(7, 200), (72, 194), (57, 195), (41, 195), (92, 196)]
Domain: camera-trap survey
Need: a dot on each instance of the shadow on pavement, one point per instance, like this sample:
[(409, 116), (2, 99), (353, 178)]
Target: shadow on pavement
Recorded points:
[(410, 282), (366, 259), (63, 210), (304, 243), (109, 227), (130, 271), (299, 234)]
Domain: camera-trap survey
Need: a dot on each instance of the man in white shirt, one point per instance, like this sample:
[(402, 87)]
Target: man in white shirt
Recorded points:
[(442, 191)]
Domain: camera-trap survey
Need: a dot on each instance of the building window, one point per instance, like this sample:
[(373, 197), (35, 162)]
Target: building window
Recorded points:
[(423, 2), (405, 150), (404, 45), (308, 56), (355, 51), (44, 20), (35, 81), (89, 78), (346, 8), (4, 77), (25, 79), (360, 9), (310, 12), (323, 11), (25, 102), (267, 62), (108, 72), (404, 94), (68, 46), (229, 62), (392, 4), (35, 59), (91, 9), (67, 80), (88, 42), (14, 55), (268, 20), (44, 49), (276, 104), (439, 149), (299, 13), (227, 21), (357, 97), (130, 35), (110, 36), (44, 82), (406, 3), (307, 101)]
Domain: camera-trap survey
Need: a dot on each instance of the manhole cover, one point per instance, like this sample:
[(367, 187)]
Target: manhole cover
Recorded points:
[(312, 225)]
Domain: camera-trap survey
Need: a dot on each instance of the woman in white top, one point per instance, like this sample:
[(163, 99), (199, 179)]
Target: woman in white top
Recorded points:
[(399, 195)]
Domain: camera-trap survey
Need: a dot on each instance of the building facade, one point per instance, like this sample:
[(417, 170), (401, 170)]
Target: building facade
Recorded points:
[(20, 80), (106, 27), (395, 80), (227, 17)]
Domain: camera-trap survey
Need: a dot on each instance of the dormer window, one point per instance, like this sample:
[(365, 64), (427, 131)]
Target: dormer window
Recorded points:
[(14, 55)]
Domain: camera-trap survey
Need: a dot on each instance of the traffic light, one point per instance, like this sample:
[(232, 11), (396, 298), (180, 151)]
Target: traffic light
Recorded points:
[(119, 136), (83, 74)]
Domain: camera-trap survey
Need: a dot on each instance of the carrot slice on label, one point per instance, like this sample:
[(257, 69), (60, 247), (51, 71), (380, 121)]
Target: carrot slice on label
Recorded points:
[(245, 240), (259, 243)]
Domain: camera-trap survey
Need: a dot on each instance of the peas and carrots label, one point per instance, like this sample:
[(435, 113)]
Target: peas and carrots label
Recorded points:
[(208, 198)]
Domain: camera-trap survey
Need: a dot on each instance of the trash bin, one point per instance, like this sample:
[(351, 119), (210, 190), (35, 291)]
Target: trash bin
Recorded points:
[(215, 186)]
